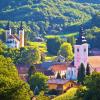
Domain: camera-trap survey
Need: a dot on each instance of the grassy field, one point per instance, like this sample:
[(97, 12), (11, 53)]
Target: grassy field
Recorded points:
[(64, 35)]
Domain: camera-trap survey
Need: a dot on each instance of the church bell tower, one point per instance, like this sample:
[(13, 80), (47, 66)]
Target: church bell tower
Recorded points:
[(80, 56), (21, 35), (8, 30), (81, 50)]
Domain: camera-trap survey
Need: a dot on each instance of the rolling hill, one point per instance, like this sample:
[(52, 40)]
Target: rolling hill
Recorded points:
[(50, 16)]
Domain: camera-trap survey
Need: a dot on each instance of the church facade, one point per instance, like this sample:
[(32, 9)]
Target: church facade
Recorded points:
[(14, 40), (80, 56)]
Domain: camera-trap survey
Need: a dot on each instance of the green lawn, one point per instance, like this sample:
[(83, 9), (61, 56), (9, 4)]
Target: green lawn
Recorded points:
[(65, 35)]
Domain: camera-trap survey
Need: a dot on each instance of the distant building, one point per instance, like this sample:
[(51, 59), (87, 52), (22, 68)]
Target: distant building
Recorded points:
[(13, 40), (60, 58)]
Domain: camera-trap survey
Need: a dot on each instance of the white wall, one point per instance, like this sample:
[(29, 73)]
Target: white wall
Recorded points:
[(81, 56)]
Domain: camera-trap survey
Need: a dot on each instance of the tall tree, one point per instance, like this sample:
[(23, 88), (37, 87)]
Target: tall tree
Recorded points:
[(58, 76), (88, 70), (53, 45), (81, 74)]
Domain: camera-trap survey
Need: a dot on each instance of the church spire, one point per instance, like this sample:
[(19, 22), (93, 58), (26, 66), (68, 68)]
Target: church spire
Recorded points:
[(21, 26), (81, 38)]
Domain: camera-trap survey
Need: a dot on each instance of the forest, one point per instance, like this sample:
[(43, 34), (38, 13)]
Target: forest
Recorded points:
[(52, 17)]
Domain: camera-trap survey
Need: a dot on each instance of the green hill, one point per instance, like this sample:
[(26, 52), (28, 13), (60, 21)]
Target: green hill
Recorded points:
[(49, 16)]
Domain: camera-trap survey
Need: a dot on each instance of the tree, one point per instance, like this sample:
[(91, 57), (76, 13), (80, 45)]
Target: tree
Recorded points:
[(24, 55), (11, 86), (41, 96), (88, 70), (66, 51), (92, 88), (53, 45), (58, 76), (38, 79), (81, 74), (31, 71), (2, 48)]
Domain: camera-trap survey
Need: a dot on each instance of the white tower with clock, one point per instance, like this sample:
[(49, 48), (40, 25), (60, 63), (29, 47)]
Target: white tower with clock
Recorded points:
[(81, 50)]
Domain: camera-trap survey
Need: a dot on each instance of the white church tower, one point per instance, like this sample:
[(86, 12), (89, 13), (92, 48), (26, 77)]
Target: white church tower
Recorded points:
[(8, 31), (80, 56), (81, 50), (21, 35)]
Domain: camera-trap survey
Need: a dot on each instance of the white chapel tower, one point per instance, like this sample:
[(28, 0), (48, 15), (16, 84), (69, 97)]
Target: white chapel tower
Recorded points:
[(81, 50), (21, 35), (8, 31)]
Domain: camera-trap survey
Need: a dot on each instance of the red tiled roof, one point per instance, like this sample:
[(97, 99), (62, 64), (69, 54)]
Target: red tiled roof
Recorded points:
[(16, 37), (94, 61), (59, 67), (13, 37)]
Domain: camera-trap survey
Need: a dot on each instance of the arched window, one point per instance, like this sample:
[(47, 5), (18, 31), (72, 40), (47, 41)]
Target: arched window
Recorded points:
[(84, 50), (77, 49)]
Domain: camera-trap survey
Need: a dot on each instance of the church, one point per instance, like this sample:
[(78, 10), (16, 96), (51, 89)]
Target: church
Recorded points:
[(80, 57), (14, 40)]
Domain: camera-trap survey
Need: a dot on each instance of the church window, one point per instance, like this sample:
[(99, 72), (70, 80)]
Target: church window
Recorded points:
[(84, 50), (78, 50)]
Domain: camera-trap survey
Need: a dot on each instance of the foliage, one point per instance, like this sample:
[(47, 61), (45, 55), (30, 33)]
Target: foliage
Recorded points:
[(66, 51), (31, 70), (39, 80), (53, 45), (81, 74), (41, 45), (41, 96), (11, 86), (88, 70), (23, 55), (47, 16), (2, 48), (92, 91), (69, 95), (93, 37)]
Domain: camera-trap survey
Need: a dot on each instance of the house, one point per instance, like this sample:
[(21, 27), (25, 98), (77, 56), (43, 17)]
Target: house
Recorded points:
[(60, 58), (59, 68), (60, 84), (14, 40)]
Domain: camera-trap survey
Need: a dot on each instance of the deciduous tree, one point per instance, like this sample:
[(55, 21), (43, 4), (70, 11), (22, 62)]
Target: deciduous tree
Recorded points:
[(66, 51)]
